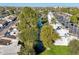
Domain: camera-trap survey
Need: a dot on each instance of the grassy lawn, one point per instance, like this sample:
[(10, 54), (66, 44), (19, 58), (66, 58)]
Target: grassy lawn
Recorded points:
[(57, 50)]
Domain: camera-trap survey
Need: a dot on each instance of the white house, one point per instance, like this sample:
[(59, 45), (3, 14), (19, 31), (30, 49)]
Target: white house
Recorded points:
[(50, 16), (2, 22), (14, 32)]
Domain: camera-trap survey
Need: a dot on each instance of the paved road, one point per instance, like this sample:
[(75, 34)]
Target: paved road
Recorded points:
[(7, 28)]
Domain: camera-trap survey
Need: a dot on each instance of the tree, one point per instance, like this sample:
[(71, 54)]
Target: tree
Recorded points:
[(48, 35), (11, 12), (74, 47), (28, 29), (2, 9), (28, 16), (74, 19), (74, 11), (28, 37)]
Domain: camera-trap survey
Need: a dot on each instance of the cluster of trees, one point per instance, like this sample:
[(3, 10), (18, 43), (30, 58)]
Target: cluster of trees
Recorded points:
[(74, 11), (75, 19), (28, 19), (71, 10), (75, 14), (74, 47), (28, 30), (5, 11), (28, 38)]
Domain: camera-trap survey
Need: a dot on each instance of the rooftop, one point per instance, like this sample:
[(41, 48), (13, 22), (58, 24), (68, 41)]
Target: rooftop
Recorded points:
[(2, 21), (5, 42)]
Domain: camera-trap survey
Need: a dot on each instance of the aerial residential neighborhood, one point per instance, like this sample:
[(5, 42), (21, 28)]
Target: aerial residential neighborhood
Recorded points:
[(8, 35), (39, 30)]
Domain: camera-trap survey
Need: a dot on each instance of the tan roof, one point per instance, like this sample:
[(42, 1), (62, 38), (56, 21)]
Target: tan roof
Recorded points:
[(10, 17), (4, 42), (2, 21)]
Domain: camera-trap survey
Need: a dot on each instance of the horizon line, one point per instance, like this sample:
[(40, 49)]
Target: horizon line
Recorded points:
[(40, 4)]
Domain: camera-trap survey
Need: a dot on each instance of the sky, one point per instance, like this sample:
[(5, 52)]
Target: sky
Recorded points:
[(40, 4)]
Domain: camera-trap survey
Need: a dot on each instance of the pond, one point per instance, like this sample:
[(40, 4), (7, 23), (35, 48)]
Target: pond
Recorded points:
[(38, 46)]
